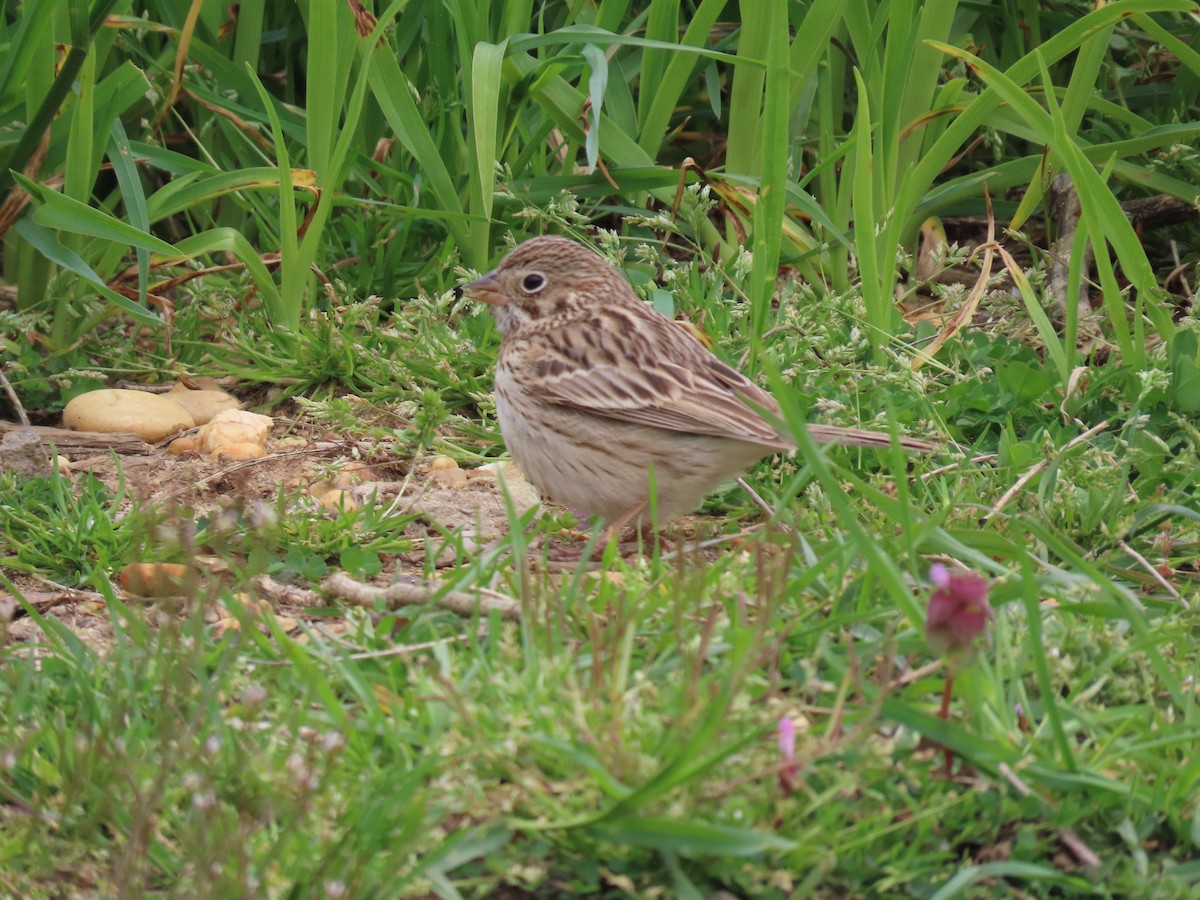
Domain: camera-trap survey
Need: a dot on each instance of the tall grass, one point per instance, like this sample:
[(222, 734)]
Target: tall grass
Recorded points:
[(473, 92)]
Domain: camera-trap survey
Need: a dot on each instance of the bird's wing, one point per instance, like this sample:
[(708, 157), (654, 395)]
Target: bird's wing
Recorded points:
[(647, 370)]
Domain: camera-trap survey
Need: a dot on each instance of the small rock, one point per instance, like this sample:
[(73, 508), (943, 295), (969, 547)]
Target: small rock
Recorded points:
[(454, 478), (235, 426), (23, 453), (189, 443), (318, 487), (338, 499), (239, 452), (507, 474), (112, 411), (354, 472), (153, 579)]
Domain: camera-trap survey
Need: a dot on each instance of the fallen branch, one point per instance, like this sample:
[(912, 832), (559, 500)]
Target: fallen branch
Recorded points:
[(286, 593), (394, 596), (1079, 849), (74, 441), (1040, 466)]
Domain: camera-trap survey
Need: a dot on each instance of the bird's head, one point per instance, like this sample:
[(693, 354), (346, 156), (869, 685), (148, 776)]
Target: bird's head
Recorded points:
[(546, 279)]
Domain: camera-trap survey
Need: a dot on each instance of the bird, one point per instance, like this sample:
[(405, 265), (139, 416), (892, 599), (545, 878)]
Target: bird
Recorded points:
[(609, 407)]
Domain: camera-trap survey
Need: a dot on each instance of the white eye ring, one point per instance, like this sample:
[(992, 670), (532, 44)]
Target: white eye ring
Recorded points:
[(533, 282)]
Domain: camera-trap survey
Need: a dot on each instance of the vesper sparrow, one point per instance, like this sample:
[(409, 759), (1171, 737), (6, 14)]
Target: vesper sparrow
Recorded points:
[(594, 389)]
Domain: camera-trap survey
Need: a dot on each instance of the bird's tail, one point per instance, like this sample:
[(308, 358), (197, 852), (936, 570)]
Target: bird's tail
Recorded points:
[(862, 437)]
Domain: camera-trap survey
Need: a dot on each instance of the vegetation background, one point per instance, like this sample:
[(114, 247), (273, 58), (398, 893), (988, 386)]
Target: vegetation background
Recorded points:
[(853, 200)]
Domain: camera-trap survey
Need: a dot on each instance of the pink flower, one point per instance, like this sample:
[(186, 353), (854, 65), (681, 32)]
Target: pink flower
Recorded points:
[(958, 614), (787, 739), (787, 749)]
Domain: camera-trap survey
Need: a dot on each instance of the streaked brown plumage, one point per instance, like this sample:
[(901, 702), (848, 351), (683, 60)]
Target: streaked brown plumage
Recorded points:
[(595, 389)]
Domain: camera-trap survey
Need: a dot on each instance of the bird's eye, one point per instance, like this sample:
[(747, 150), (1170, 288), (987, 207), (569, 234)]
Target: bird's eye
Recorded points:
[(533, 282)]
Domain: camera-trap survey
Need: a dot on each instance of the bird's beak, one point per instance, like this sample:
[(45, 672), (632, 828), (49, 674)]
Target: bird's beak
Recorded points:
[(486, 289)]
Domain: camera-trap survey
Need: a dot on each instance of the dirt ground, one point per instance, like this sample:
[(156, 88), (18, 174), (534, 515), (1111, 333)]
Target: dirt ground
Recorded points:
[(305, 466)]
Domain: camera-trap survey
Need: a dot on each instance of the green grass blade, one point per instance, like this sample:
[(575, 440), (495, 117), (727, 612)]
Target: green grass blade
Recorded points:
[(230, 240), (293, 276), (562, 103), (691, 837), (876, 284), (674, 78), (46, 242), (810, 44), (746, 96), (133, 196), (1037, 652), (772, 195), (484, 113), (597, 87), (662, 27), (1076, 102), (1102, 214), (393, 91), (325, 88), (53, 210)]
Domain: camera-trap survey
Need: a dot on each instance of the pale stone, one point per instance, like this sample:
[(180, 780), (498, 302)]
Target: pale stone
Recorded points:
[(239, 452), (235, 426), (111, 411), (508, 474), (352, 473), (23, 453), (454, 478), (189, 443), (319, 487), (202, 405), (338, 499), (152, 579)]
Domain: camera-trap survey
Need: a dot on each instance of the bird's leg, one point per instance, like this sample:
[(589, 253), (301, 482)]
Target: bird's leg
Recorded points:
[(648, 537), (612, 534), (614, 529), (644, 533)]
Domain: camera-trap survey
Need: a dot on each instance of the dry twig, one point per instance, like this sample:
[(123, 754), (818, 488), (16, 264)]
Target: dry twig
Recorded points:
[(1040, 466), (394, 596)]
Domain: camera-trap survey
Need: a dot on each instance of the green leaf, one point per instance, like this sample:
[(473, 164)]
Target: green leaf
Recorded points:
[(359, 562), (486, 80), (772, 168), (1101, 212), (56, 211), (394, 93), (597, 86), (663, 301), (133, 196), (968, 876), (665, 87), (1185, 385), (46, 242), (690, 837)]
